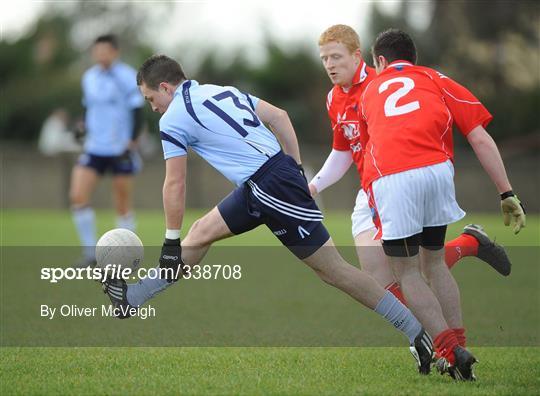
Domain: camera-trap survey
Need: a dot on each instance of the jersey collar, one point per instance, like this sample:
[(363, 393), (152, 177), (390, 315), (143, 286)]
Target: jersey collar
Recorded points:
[(179, 88), (400, 63), (397, 65), (359, 75)]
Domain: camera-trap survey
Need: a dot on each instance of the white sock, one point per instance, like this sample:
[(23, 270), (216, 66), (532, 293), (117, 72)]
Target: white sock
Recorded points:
[(399, 315), (85, 222), (142, 291), (126, 221)]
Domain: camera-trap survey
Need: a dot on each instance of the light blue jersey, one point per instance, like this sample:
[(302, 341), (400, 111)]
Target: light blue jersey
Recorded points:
[(219, 124), (110, 96)]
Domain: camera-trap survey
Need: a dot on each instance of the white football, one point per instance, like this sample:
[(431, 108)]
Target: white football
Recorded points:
[(121, 247)]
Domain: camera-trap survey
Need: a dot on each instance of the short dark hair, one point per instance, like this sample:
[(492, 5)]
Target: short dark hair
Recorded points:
[(395, 44), (107, 39), (158, 69)]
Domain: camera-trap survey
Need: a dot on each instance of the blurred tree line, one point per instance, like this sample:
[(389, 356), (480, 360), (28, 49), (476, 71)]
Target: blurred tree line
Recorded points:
[(492, 47)]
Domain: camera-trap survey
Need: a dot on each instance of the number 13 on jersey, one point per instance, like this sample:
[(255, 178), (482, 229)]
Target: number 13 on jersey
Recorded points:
[(253, 122)]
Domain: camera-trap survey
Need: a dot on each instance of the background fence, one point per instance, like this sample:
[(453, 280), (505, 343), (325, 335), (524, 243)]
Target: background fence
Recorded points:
[(32, 180)]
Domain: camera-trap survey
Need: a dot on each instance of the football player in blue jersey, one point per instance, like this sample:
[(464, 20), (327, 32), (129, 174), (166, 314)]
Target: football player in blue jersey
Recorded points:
[(226, 127), (113, 117)]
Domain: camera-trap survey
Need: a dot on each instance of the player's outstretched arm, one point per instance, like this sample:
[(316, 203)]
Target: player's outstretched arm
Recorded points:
[(335, 166), (174, 198), (279, 122), (488, 154), (174, 189)]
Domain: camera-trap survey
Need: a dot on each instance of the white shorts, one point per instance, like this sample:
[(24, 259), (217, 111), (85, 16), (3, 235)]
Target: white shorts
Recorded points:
[(408, 201), (361, 216)]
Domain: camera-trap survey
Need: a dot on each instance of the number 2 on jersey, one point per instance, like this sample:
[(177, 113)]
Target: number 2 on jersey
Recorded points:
[(254, 122), (390, 105)]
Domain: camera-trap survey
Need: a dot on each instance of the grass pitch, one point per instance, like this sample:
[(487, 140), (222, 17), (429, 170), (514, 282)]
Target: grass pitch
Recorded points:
[(253, 371), (282, 370)]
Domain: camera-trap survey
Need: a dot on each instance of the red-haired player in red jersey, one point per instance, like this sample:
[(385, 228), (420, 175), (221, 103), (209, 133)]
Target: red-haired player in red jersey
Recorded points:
[(408, 173), (340, 53)]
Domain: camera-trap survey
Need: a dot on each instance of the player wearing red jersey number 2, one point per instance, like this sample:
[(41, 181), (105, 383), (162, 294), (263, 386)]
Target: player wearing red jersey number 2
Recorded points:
[(408, 174)]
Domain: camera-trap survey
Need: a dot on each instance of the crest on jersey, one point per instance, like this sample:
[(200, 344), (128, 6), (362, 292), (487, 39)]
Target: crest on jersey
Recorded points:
[(350, 128)]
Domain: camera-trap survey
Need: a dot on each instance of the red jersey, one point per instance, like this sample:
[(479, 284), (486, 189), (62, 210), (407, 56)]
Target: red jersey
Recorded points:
[(343, 110), (409, 111)]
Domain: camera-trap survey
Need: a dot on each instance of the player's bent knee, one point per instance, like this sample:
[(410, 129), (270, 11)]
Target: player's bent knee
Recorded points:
[(328, 264), (403, 247)]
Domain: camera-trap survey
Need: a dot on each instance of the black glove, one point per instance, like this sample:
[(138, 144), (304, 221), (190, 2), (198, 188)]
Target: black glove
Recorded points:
[(171, 257)]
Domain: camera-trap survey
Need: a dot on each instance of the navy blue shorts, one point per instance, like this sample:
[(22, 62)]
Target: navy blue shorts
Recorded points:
[(128, 163), (277, 195)]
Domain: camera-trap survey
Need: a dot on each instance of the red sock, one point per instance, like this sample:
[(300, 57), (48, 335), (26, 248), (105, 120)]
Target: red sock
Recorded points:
[(460, 334), (396, 291), (463, 246), (445, 343)]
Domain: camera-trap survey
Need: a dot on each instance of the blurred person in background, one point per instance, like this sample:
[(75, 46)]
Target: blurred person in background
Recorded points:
[(55, 136), (113, 118)]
